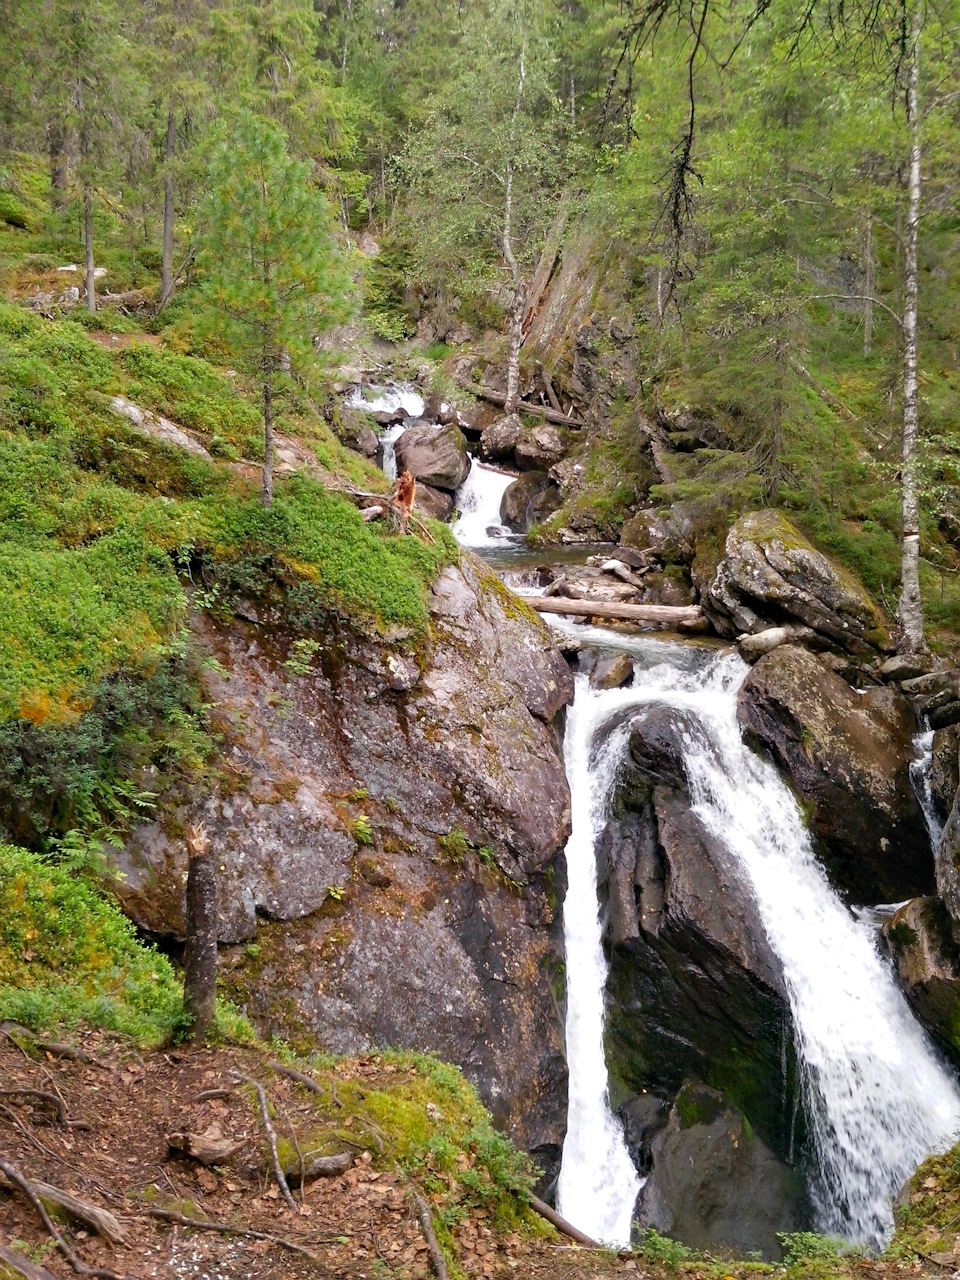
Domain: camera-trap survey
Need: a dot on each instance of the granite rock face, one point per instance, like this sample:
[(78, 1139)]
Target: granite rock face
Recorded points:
[(847, 755), (386, 828), (435, 456)]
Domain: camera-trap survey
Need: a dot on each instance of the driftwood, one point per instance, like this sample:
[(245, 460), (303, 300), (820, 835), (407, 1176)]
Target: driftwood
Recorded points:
[(301, 1077), (319, 1167), (561, 1224), (437, 1264), (226, 1228), (684, 615), (539, 410), (101, 1220), (621, 571), (271, 1137), (14, 1261), (13, 1174), (205, 1150)]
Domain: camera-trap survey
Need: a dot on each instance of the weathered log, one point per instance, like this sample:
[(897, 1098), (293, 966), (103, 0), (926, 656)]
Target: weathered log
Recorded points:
[(203, 1148), (680, 615), (101, 1220), (561, 1224), (319, 1167), (22, 1265), (539, 410)]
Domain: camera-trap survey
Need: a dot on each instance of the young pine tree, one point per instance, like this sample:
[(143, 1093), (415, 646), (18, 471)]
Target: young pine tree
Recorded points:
[(273, 276)]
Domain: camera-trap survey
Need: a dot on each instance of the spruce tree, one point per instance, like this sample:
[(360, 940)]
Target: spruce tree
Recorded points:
[(273, 277)]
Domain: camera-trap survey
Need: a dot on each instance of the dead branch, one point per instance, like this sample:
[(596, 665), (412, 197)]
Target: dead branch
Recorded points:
[(437, 1263), (22, 1266), (301, 1077), (679, 615), (320, 1167), (271, 1137), (538, 410), (561, 1224), (13, 1174), (51, 1098), (210, 1095), (101, 1220), (226, 1228)]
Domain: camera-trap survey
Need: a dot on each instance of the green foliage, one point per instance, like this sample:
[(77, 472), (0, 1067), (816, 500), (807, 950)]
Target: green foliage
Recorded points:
[(657, 1248), (798, 1246), (361, 830), (68, 956)]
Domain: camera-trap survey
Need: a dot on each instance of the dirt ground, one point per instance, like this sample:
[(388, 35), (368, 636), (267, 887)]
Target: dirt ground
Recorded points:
[(110, 1149)]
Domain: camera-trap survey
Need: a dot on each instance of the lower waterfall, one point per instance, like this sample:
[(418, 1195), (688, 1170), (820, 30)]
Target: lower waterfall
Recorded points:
[(877, 1097)]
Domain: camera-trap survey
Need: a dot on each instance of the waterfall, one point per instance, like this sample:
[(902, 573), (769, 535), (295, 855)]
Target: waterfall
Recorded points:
[(878, 1099), (478, 502), (394, 397), (920, 777)]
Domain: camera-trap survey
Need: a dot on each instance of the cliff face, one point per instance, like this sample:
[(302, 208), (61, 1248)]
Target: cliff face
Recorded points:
[(387, 828)]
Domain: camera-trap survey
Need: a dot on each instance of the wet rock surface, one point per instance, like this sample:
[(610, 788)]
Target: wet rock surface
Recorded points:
[(927, 959), (770, 574), (714, 1184), (847, 756), (530, 498), (384, 830)]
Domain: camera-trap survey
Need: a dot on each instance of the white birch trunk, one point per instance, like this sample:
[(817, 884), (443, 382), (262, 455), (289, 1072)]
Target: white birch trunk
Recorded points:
[(910, 608)]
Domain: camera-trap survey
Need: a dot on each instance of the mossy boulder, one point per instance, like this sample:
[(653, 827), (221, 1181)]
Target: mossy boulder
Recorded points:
[(847, 756), (770, 573), (436, 456)]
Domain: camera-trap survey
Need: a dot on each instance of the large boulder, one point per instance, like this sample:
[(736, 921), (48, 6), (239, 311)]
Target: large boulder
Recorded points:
[(927, 959), (770, 573), (385, 826), (847, 756), (714, 1184), (945, 769), (499, 439), (437, 503), (436, 456), (694, 991), (528, 499), (538, 448)]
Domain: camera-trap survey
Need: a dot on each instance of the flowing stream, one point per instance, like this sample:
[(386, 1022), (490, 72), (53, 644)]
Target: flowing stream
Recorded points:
[(878, 1098), (478, 503)]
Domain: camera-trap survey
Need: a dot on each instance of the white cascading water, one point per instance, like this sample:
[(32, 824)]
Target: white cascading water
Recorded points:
[(920, 777), (878, 1098), (478, 502), (396, 396)]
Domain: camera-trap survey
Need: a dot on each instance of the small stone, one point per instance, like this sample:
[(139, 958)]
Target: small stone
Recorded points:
[(612, 673)]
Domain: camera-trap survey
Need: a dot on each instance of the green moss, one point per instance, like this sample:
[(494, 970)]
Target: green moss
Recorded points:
[(68, 956)]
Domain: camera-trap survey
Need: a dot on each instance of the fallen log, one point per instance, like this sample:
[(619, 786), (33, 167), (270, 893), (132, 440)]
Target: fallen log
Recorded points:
[(561, 1224), (22, 1266), (539, 410), (684, 615)]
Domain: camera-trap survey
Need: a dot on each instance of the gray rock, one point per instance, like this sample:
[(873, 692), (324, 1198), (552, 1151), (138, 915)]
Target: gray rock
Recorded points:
[(539, 447), (927, 958), (905, 666), (770, 569), (847, 755), (435, 456), (499, 439), (944, 772), (529, 499), (714, 1185), (662, 532), (613, 672), (160, 428), (753, 647), (943, 716), (437, 503), (446, 956)]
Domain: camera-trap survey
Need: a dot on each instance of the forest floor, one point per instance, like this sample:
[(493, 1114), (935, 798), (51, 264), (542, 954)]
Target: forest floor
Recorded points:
[(109, 1148)]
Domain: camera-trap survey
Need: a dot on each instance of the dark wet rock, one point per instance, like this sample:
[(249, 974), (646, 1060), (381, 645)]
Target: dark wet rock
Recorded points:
[(947, 863), (389, 417), (377, 755), (538, 448), (436, 456), (613, 672), (944, 771), (944, 716), (714, 1184), (695, 990), (847, 755), (499, 439), (927, 959), (770, 574), (437, 503), (529, 499)]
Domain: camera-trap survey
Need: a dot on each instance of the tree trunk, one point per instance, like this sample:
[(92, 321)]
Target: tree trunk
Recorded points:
[(200, 953), (517, 304), (910, 608), (267, 491), (166, 264), (868, 292), (88, 250), (58, 167)]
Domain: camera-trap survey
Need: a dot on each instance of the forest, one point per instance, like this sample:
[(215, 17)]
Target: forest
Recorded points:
[(480, 638)]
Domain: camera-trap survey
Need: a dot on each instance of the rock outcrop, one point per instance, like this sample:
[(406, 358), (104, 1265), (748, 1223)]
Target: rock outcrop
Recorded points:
[(847, 756), (436, 456), (385, 829), (530, 498), (927, 959), (771, 574)]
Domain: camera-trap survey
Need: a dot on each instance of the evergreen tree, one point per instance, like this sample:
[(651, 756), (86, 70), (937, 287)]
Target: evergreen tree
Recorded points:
[(274, 279)]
